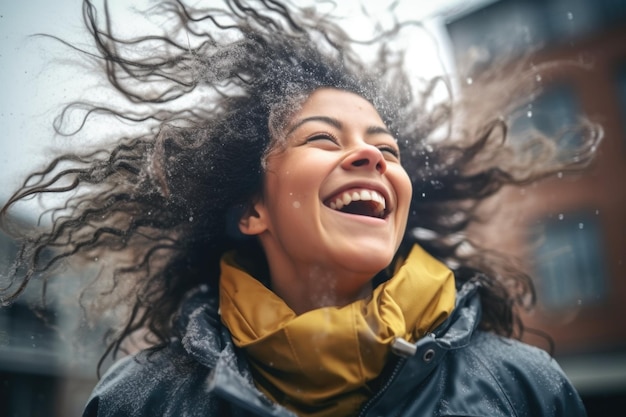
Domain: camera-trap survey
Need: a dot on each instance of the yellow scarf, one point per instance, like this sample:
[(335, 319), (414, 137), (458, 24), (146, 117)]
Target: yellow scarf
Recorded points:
[(320, 363)]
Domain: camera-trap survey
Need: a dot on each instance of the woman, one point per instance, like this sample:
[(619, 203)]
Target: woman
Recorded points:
[(290, 243)]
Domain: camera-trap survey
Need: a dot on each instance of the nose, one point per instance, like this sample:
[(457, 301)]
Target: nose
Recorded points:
[(365, 156)]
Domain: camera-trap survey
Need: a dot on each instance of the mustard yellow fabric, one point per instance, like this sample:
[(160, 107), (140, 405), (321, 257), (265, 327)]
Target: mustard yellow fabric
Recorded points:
[(320, 363)]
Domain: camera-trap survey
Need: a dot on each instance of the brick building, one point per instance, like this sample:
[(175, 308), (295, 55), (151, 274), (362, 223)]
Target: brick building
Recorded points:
[(571, 231)]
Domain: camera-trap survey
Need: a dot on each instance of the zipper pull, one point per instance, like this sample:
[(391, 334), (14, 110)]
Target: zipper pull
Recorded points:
[(401, 347)]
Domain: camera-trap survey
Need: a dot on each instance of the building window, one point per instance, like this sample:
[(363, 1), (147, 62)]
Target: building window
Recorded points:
[(555, 114), (570, 261), (621, 94), (507, 28)]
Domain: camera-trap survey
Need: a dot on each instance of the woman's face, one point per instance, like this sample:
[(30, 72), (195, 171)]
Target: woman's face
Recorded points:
[(336, 198)]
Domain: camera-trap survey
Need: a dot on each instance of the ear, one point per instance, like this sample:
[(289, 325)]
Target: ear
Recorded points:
[(254, 219)]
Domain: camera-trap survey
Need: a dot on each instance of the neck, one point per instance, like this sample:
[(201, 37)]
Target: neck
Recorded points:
[(312, 287)]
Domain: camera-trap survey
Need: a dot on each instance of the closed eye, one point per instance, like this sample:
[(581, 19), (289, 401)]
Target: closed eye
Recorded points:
[(390, 151), (322, 137)]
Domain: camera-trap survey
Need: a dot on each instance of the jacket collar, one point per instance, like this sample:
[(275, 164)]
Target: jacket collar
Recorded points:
[(455, 333), (208, 342)]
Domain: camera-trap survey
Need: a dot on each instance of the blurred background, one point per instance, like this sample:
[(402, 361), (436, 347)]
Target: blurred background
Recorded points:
[(571, 231)]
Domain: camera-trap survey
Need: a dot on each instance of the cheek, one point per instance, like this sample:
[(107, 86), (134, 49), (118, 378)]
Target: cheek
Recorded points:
[(299, 177), (405, 193), (404, 189), (290, 192)]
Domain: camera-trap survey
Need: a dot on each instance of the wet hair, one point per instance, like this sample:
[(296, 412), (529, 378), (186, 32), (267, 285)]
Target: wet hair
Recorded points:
[(214, 91)]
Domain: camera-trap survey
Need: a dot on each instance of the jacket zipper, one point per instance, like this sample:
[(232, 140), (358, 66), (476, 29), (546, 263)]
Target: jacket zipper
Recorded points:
[(384, 388)]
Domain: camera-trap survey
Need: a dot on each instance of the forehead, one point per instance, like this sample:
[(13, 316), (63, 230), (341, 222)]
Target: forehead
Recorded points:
[(339, 104), (349, 110)]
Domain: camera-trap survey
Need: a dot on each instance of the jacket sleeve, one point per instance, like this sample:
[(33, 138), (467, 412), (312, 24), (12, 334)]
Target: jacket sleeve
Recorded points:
[(152, 386), (531, 380), (112, 395), (567, 402)]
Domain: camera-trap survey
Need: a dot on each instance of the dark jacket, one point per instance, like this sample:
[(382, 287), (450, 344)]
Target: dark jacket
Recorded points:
[(455, 371)]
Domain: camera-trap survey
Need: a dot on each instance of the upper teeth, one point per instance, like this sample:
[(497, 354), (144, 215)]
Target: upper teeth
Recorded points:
[(348, 197)]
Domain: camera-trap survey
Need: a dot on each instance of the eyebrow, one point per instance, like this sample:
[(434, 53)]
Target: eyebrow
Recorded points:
[(371, 130)]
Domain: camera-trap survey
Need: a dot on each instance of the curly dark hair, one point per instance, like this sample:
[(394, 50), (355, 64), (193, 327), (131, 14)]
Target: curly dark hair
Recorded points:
[(159, 206)]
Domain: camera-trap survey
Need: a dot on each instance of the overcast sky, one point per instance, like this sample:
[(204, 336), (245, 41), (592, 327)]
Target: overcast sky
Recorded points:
[(35, 80)]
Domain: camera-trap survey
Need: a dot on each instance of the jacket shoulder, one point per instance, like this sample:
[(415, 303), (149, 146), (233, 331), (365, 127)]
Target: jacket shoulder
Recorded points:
[(529, 379), (153, 383)]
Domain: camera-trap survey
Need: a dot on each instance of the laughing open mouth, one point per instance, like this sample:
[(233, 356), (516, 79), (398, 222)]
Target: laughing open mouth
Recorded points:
[(361, 202)]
